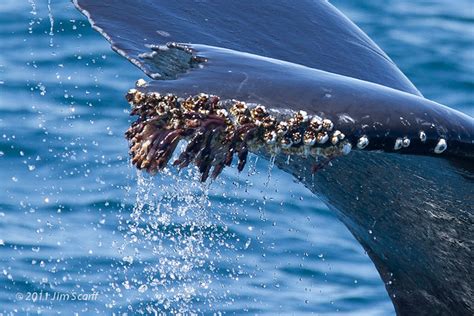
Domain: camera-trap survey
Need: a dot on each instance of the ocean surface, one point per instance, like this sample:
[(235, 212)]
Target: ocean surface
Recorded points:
[(82, 232)]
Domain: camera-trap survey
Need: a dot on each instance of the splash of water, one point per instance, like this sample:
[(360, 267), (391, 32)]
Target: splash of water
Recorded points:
[(33, 6), (171, 243), (33, 12), (51, 23)]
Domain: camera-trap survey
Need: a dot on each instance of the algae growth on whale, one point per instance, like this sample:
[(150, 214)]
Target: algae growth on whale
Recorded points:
[(331, 109)]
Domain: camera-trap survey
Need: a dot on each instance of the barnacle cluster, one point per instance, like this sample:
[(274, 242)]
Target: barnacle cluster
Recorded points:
[(219, 130)]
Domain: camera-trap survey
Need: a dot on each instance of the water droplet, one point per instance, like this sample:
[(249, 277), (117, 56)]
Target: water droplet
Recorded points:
[(247, 244), (128, 259), (143, 288)]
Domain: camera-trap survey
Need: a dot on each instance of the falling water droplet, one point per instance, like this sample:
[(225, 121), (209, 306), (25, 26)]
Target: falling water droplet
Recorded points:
[(143, 288)]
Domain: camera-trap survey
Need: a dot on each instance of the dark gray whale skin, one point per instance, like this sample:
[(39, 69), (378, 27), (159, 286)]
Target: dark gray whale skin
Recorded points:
[(412, 208), (357, 107), (312, 33), (412, 213)]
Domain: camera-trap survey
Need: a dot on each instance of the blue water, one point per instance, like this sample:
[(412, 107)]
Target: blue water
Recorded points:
[(75, 218)]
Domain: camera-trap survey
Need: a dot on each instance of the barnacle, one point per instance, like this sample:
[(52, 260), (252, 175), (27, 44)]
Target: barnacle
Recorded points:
[(398, 144), (362, 142), (441, 146), (217, 131)]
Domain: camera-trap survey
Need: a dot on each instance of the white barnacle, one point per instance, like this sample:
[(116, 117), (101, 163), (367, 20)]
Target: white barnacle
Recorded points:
[(406, 142), (138, 97), (398, 144), (328, 125), (302, 116), (309, 138), (346, 148), (155, 95), (222, 113), (140, 83), (259, 109), (322, 138), (362, 142), (258, 113), (422, 136), (131, 96), (238, 108), (271, 137), (296, 138), (282, 128), (316, 123), (162, 108), (336, 137), (441, 146)]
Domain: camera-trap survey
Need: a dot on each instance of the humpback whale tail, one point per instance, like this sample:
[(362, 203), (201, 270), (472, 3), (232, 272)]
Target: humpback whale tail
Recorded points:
[(320, 92)]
